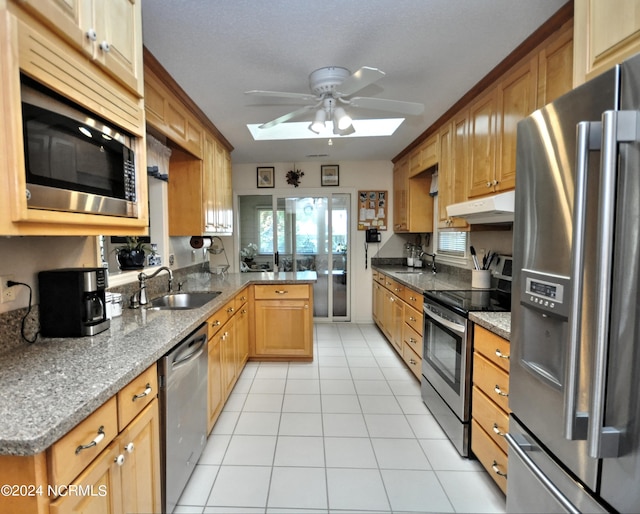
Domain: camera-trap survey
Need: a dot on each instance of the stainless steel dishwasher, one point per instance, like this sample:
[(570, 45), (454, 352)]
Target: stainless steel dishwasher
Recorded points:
[(182, 375)]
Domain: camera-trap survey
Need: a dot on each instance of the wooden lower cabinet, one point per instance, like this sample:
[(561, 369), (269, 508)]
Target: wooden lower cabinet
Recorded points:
[(490, 403), (397, 311), (283, 322), (125, 477)]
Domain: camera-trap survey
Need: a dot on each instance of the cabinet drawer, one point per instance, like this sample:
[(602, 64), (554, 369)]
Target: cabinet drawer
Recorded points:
[(413, 298), (136, 395), (412, 359), (281, 291), (241, 298), (490, 417), (492, 346), (413, 318), (412, 339), (490, 455), (68, 458), (492, 381), (217, 320)]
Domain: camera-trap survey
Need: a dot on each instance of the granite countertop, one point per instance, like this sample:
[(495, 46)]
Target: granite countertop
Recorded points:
[(50, 386), (422, 280)]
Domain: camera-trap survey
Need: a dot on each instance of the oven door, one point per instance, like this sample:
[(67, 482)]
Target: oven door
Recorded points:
[(446, 357)]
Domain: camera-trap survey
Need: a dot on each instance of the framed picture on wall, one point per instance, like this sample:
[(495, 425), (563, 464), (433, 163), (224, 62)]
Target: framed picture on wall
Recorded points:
[(330, 175), (265, 176)]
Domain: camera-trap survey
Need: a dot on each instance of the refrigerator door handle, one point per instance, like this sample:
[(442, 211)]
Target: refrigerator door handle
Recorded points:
[(617, 127), (588, 139), (520, 446)]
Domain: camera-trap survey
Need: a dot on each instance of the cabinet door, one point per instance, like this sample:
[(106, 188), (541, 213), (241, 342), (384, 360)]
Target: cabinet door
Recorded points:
[(209, 184), (71, 19), (445, 171), (119, 41), (283, 328), (242, 337), (140, 445), (215, 396), (103, 478), (397, 320), (400, 186), (228, 349), (482, 144), (605, 34), (516, 100), (555, 66), (457, 182)]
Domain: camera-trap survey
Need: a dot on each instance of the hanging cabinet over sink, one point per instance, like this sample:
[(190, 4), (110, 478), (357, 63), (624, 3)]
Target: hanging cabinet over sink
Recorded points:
[(200, 198)]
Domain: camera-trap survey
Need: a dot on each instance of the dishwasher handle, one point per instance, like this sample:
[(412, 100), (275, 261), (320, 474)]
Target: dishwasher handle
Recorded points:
[(199, 343)]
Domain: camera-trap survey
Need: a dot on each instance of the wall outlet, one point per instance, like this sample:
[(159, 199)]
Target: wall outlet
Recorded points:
[(7, 294)]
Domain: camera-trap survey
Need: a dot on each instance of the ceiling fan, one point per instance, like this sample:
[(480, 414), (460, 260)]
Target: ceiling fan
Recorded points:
[(332, 87)]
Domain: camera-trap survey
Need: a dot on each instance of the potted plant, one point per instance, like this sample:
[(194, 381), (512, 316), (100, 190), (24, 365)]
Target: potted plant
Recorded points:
[(131, 255), (248, 253)]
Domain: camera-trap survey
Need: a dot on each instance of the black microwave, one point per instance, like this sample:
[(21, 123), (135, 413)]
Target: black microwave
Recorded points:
[(74, 161)]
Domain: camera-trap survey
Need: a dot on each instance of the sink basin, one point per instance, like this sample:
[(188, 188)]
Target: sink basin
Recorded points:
[(178, 301)]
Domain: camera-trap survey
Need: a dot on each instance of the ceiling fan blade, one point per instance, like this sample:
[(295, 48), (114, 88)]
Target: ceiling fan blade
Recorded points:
[(382, 104), (304, 97), (287, 117), (358, 80)]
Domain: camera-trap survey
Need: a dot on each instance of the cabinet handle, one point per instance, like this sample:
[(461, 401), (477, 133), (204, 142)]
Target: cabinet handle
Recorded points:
[(488, 184), (119, 460), (496, 470), (412, 361), (129, 448), (412, 340), (281, 291), (495, 182), (243, 311), (500, 391), (91, 35), (497, 430), (243, 298), (105, 47), (501, 355), (144, 393), (215, 323), (411, 318), (230, 310), (93, 443), (306, 306), (413, 298)]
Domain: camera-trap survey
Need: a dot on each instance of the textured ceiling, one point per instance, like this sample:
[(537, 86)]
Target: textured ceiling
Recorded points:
[(432, 51)]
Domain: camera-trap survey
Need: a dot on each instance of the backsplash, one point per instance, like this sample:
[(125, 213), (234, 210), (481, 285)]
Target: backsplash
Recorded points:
[(11, 321)]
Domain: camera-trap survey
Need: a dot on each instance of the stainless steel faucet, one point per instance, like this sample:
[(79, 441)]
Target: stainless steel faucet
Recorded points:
[(433, 261), (139, 298)]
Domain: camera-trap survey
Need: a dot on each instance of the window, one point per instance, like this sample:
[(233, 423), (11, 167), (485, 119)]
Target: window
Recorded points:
[(265, 222), (453, 244)]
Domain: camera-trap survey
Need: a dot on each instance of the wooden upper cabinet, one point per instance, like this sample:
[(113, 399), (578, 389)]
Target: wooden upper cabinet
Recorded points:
[(516, 100), (400, 187), (482, 143), (452, 169), (555, 66), (604, 35), (425, 156), (108, 32)]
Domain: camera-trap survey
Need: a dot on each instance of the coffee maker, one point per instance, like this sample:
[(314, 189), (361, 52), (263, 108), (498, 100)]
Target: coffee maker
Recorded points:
[(72, 302)]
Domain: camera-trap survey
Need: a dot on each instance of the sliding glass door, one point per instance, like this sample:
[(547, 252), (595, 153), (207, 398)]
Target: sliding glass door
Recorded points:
[(300, 233)]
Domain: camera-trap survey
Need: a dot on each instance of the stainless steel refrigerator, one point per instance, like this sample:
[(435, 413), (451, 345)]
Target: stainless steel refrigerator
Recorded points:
[(574, 434)]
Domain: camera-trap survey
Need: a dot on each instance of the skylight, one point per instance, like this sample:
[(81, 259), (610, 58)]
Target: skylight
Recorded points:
[(300, 130)]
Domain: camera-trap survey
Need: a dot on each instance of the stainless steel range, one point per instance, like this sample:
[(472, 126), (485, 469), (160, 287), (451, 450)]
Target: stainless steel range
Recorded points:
[(447, 353)]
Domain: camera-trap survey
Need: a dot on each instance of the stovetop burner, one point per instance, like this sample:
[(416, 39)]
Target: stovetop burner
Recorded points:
[(472, 300)]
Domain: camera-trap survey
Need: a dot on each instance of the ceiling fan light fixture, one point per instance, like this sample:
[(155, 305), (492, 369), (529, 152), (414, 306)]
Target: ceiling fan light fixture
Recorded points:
[(318, 123), (342, 119)]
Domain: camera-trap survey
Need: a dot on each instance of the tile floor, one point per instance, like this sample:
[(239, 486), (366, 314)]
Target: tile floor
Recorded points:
[(347, 433)]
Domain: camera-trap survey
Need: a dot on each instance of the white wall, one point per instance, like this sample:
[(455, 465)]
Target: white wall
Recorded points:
[(354, 176)]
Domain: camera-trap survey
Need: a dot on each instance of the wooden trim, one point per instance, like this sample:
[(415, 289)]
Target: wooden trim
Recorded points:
[(154, 65), (563, 15)]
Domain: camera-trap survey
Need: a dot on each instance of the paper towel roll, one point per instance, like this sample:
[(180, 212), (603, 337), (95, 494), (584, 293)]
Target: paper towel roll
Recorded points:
[(200, 242)]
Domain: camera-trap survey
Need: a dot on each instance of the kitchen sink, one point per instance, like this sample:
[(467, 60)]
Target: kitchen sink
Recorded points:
[(181, 301), (411, 272)]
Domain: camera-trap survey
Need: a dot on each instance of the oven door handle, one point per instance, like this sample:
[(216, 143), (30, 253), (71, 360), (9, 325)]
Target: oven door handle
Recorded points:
[(456, 327)]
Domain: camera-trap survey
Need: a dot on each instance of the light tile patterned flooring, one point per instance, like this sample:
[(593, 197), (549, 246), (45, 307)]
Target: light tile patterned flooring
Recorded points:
[(347, 433)]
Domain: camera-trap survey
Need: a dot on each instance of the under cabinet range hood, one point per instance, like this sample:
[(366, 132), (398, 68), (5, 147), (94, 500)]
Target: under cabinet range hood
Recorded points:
[(489, 209)]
